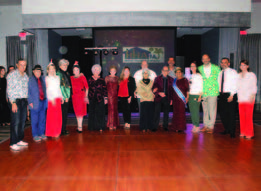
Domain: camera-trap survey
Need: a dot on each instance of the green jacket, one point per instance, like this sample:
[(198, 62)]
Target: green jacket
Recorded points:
[(210, 85), (65, 89)]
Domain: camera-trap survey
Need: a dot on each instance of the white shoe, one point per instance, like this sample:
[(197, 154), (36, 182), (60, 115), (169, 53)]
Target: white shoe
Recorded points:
[(22, 143), (15, 147)]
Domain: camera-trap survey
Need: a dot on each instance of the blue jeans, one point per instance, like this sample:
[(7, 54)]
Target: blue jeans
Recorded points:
[(38, 119), (18, 121)]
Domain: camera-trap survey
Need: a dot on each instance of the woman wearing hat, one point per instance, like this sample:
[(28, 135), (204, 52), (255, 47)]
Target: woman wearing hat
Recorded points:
[(79, 97), (37, 103)]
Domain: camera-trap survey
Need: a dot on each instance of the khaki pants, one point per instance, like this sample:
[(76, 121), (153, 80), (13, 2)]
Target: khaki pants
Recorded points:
[(210, 111)]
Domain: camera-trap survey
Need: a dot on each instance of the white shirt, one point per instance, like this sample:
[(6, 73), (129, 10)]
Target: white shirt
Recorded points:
[(53, 89), (230, 81), (196, 84), (138, 76), (246, 86), (207, 70), (172, 72)]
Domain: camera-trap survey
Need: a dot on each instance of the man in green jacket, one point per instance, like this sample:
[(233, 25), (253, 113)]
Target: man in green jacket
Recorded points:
[(209, 74), (66, 92)]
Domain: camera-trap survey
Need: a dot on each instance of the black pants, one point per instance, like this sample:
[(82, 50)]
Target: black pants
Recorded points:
[(125, 106), (65, 107), (166, 105), (96, 116), (146, 115), (227, 111), (18, 121)]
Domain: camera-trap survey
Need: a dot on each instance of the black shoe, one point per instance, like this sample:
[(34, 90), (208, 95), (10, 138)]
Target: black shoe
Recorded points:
[(233, 135), (223, 133), (79, 131), (166, 129), (65, 132), (153, 130)]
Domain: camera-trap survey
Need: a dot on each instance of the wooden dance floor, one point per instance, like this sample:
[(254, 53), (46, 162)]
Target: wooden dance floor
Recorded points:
[(128, 160)]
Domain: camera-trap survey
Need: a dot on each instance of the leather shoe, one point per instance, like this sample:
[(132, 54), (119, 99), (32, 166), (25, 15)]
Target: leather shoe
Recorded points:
[(166, 129), (65, 132), (232, 135), (153, 130), (223, 133)]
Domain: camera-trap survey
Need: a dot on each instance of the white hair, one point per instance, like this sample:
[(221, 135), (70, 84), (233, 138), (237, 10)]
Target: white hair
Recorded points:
[(63, 61), (146, 70), (96, 66)]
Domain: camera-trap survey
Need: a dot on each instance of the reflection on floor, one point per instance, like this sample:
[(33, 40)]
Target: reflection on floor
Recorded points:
[(129, 160)]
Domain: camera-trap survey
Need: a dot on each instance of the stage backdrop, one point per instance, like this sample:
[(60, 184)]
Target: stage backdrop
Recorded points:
[(153, 45)]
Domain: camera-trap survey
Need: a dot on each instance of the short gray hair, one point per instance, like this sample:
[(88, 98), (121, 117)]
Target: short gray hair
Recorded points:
[(146, 70), (96, 66), (63, 61)]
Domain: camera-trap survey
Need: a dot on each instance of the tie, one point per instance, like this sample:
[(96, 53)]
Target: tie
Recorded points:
[(40, 89), (222, 81)]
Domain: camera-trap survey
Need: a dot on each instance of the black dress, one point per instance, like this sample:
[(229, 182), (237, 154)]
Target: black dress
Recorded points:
[(96, 109), (4, 109)]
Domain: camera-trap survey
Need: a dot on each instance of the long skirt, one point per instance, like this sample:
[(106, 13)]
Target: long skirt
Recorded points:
[(146, 115), (54, 119), (79, 105), (96, 117), (179, 116), (113, 115)]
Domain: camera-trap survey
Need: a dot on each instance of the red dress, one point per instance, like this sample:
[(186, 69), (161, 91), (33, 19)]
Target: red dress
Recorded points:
[(179, 114), (112, 88), (79, 87)]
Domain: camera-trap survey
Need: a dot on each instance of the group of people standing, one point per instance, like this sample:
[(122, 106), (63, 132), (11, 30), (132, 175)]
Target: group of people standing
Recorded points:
[(153, 93)]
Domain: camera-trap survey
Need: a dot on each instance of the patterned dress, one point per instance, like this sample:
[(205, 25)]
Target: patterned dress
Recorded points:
[(112, 88)]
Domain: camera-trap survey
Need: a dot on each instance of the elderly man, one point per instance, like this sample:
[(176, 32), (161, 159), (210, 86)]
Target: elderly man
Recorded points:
[(163, 91), (66, 92), (209, 74), (17, 91)]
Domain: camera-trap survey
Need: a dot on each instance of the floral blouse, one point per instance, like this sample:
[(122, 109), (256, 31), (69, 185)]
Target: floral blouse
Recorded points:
[(97, 89)]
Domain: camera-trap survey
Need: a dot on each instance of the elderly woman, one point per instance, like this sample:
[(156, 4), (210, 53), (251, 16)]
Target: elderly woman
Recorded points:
[(97, 99), (144, 89), (112, 87), (180, 99), (79, 96), (66, 92)]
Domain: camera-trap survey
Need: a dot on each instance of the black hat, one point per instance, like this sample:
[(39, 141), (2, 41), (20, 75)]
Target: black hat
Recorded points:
[(37, 67)]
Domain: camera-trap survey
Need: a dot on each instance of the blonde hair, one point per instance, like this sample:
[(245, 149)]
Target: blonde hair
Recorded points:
[(49, 65), (178, 69)]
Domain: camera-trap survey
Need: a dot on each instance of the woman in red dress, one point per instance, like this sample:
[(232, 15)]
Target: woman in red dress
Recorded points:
[(54, 109), (79, 96), (180, 99), (112, 88)]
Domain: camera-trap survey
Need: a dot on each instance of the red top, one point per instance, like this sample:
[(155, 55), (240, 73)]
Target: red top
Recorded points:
[(123, 89), (79, 85)]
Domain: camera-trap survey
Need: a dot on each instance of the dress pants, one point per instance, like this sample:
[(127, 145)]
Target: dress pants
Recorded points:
[(246, 119), (65, 107), (126, 110), (194, 106), (210, 111), (227, 111), (38, 119), (164, 102), (18, 121), (146, 114), (96, 117)]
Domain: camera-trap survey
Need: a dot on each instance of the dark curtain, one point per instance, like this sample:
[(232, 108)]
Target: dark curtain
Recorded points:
[(13, 50), (251, 51), (16, 49), (31, 53)]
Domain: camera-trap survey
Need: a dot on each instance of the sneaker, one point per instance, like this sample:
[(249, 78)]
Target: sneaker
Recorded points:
[(43, 137), (22, 143), (15, 147), (37, 139)]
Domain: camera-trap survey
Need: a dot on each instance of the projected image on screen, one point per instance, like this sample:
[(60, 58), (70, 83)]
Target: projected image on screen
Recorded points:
[(153, 45)]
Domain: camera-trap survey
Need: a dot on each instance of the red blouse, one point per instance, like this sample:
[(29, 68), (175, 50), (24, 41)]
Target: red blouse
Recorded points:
[(123, 88)]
